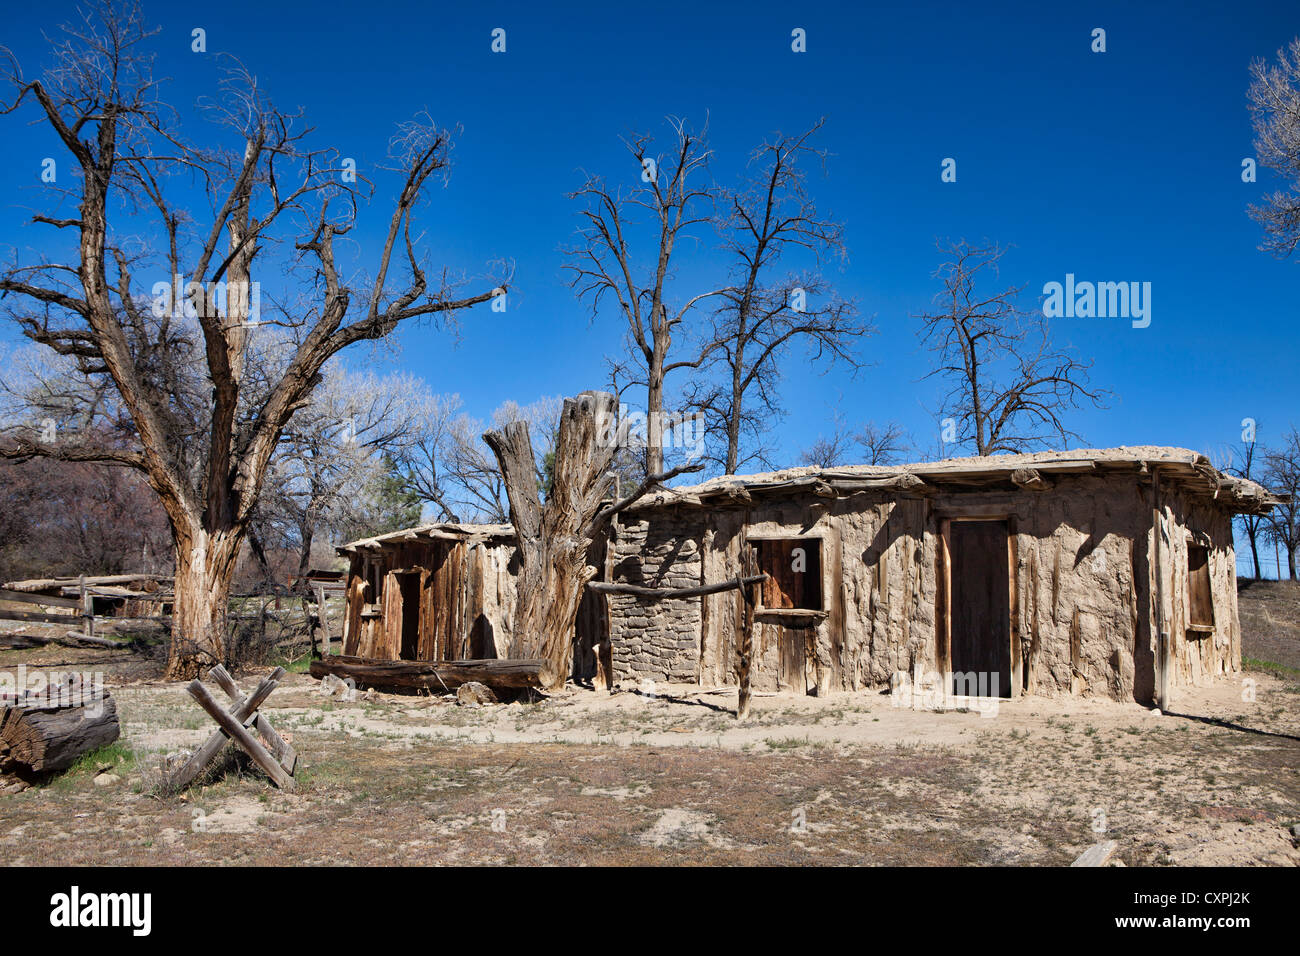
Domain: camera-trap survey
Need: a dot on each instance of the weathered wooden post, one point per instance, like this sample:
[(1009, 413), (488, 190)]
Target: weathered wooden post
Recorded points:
[(323, 621), (279, 766), (87, 608), (745, 650)]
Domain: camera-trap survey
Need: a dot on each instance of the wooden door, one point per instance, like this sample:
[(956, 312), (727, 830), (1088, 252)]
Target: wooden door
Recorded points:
[(980, 609), (409, 584)]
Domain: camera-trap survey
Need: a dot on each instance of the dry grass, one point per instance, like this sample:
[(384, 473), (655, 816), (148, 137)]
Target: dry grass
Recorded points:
[(673, 779), (1270, 622)]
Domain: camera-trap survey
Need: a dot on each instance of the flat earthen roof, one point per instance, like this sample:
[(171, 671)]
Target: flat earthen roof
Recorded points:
[(1026, 470), (1029, 471)]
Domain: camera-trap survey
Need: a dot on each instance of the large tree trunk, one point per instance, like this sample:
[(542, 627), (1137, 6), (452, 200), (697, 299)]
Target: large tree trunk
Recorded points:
[(554, 541), (654, 458), (205, 566)]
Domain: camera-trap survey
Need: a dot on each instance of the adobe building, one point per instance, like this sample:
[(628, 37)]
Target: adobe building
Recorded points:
[(1095, 572)]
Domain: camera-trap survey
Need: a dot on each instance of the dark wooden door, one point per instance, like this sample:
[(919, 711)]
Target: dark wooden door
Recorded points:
[(980, 609), (410, 585)]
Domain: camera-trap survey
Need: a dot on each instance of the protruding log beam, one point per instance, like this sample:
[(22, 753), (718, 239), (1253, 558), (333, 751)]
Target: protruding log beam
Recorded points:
[(614, 587)]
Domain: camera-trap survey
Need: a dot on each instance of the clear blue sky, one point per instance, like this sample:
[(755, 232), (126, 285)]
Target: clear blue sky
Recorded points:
[(1117, 166)]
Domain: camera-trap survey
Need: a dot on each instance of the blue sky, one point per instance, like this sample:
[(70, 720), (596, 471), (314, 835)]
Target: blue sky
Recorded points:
[(1122, 166)]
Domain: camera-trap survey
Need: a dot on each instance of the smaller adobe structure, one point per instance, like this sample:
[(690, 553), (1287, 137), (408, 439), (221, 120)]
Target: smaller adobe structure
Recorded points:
[(1094, 572)]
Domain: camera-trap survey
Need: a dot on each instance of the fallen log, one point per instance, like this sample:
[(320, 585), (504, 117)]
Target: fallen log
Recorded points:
[(45, 737), (73, 639), (511, 674), (14, 640)]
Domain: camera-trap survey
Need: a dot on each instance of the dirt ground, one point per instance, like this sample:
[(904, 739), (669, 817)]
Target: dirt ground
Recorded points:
[(671, 778), (666, 775)]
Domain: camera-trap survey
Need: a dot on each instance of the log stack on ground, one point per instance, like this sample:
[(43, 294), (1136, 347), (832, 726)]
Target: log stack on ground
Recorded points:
[(47, 734)]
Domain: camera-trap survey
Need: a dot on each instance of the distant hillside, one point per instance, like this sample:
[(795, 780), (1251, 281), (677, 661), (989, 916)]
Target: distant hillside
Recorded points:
[(1270, 621)]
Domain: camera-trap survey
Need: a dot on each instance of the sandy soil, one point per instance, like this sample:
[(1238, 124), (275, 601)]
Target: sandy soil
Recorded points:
[(672, 778)]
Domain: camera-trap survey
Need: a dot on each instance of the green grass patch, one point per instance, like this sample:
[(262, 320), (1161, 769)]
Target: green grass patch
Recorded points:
[(1269, 667), (294, 665), (116, 755)]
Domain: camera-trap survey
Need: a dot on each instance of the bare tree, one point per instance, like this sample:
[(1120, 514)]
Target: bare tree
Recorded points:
[(1282, 475), (101, 102), (828, 452), (770, 217), (871, 444), (70, 518), (1275, 111), (882, 444), (1008, 385), (449, 465), (333, 454), (605, 264), (1245, 461)]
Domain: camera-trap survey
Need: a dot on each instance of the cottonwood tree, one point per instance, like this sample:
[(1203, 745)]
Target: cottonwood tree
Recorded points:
[(871, 444), (1281, 474), (449, 466), (70, 518), (334, 459), (618, 259), (769, 218), (555, 537), (828, 451), (260, 182), (1274, 96), (1008, 386)]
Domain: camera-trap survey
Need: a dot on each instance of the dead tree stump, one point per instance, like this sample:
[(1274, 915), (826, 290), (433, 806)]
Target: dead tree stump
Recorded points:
[(555, 538)]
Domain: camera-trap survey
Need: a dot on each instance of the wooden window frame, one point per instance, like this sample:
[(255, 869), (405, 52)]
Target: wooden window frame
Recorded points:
[(793, 613), (1199, 628)]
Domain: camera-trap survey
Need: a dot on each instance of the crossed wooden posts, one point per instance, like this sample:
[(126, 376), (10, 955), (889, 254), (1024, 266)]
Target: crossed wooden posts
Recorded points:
[(278, 761)]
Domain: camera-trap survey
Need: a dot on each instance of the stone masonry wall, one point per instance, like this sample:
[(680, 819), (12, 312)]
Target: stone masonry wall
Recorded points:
[(656, 640)]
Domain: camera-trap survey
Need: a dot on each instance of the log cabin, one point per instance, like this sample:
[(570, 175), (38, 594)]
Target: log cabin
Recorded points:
[(1094, 572)]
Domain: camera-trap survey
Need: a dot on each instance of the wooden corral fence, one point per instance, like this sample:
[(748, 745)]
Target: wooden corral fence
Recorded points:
[(54, 609), (83, 604)]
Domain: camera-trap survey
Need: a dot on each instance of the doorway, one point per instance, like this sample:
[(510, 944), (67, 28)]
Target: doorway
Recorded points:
[(409, 584), (980, 609)]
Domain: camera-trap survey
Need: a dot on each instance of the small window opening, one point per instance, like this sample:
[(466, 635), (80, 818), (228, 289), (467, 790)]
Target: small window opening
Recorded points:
[(794, 569), (1200, 601)]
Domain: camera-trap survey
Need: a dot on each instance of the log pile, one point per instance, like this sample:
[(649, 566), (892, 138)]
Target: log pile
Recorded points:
[(47, 734)]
